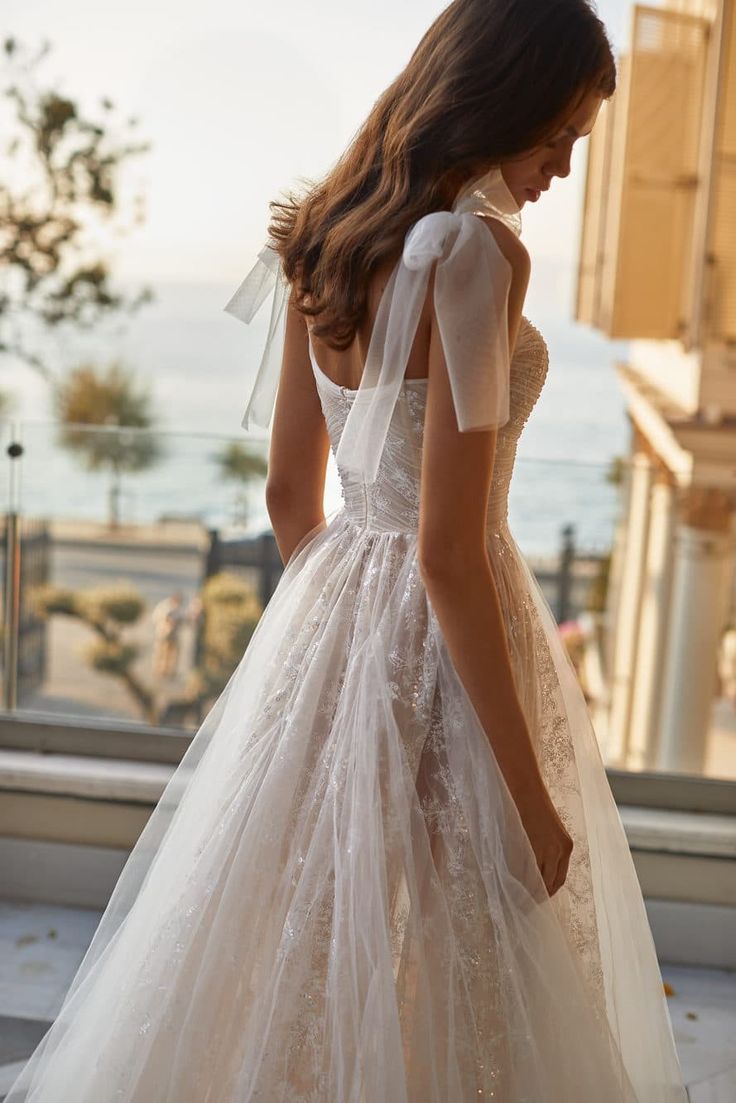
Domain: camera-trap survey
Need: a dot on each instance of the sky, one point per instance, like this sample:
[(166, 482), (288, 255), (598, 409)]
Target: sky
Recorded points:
[(240, 101)]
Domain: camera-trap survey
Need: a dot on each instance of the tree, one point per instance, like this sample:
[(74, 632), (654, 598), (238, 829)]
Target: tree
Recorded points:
[(63, 168), (122, 441), (230, 611), (239, 465), (107, 611)]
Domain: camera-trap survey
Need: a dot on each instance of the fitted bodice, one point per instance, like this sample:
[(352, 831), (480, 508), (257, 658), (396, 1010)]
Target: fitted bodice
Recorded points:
[(392, 501)]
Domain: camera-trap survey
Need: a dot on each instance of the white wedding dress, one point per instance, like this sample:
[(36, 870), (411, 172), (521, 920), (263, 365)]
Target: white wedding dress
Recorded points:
[(335, 900)]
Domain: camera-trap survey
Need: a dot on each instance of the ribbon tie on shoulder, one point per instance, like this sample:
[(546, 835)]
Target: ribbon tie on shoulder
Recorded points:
[(427, 239), (265, 276), (471, 290)]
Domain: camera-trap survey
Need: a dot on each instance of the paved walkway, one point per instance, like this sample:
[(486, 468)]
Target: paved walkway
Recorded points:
[(41, 947)]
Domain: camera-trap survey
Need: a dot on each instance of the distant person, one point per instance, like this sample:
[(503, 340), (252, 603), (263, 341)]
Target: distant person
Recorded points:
[(168, 617)]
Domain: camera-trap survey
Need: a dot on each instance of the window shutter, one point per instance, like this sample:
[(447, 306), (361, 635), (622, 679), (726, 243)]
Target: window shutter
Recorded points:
[(641, 182), (722, 323), (595, 205)]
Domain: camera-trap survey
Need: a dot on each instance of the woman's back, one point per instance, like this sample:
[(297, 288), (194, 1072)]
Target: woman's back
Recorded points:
[(345, 367)]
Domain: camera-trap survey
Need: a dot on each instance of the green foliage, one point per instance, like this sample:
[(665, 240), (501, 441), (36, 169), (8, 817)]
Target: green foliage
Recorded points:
[(91, 397), (226, 589), (240, 464), (120, 604), (47, 600), (65, 169), (231, 612), (106, 610), (100, 606), (111, 656), (107, 421)]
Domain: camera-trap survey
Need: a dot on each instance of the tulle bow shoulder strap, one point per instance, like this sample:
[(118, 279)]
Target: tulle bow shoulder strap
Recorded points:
[(265, 276), (471, 290)]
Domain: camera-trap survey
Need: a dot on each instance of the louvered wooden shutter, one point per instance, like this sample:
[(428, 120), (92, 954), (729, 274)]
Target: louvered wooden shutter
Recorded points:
[(593, 230), (641, 180), (722, 246)]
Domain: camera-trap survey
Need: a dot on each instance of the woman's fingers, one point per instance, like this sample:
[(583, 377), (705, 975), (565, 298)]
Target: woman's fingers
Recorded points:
[(554, 872), (548, 869)]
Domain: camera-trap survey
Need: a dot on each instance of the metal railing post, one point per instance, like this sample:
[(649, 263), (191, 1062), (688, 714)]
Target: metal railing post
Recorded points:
[(564, 579), (12, 583)]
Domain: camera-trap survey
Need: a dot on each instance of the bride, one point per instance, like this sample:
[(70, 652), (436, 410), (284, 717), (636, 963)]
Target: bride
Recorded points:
[(389, 868)]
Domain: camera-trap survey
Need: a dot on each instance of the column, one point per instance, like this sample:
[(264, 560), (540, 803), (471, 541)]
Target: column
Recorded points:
[(627, 621), (653, 624), (703, 565)]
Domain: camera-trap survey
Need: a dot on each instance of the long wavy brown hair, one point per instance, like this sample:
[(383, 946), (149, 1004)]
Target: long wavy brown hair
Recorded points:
[(489, 80)]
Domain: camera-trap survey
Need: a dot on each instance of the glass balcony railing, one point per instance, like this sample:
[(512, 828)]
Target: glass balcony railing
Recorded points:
[(136, 567)]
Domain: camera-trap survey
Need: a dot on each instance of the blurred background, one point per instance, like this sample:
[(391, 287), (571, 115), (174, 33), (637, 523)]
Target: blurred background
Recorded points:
[(164, 140), (141, 145), (139, 161)]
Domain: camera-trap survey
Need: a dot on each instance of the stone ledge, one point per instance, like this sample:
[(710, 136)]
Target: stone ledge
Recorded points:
[(660, 830), (667, 830), (83, 776)]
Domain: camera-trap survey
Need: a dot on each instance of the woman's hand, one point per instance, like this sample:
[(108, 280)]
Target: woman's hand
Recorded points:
[(551, 843)]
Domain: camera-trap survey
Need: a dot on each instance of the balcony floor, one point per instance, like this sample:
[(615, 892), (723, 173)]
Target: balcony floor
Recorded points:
[(41, 947)]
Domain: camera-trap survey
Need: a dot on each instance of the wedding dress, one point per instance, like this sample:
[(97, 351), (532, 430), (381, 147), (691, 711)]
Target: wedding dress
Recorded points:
[(335, 900)]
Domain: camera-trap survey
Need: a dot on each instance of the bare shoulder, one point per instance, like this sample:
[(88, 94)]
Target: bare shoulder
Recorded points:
[(510, 245)]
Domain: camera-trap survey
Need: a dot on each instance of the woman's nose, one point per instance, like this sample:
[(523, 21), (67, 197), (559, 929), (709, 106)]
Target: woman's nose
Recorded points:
[(560, 164)]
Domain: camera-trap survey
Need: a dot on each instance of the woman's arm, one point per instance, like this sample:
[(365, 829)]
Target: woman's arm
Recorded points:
[(300, 446), (456, 476)]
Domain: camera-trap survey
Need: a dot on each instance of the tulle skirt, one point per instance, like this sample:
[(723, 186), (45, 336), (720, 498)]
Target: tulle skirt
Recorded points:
[(335, 900)]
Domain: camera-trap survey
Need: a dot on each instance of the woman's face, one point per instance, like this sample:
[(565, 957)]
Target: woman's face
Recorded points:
[(529, 175)]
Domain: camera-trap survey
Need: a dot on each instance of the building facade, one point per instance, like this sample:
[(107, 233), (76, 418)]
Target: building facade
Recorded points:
[(657, 266)]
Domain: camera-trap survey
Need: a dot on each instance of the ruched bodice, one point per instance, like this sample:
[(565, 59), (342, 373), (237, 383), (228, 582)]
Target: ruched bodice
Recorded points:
[(391, 503)]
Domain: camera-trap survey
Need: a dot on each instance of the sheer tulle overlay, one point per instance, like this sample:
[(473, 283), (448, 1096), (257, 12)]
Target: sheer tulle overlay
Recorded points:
[(335, 899)]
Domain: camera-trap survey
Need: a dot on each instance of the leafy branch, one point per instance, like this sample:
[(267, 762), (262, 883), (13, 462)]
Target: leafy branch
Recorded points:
[(61, 178)]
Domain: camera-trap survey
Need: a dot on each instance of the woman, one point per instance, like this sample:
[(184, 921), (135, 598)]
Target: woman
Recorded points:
[(389, 866)]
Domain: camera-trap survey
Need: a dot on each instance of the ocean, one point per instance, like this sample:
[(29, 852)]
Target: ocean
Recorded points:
[(197, 362)]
